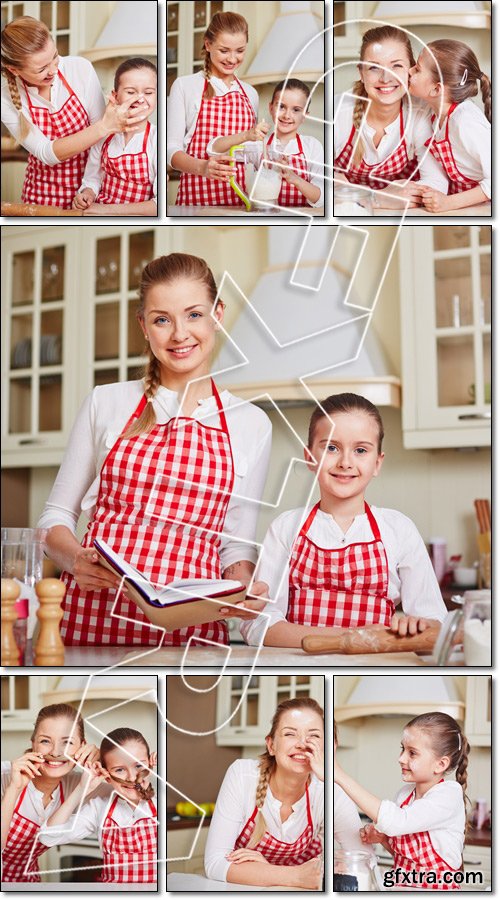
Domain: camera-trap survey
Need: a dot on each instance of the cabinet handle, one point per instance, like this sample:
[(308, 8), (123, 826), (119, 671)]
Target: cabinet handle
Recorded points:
[(468, 416), (25, 441)]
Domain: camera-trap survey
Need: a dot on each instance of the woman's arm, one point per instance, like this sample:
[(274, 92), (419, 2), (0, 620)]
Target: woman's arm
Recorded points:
[(217, 167), (87, 786), (23, 770), (262, 874), (115, 118), (82, 562)]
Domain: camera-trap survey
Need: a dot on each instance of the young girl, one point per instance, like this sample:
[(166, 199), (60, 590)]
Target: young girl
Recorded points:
[(267, 828), (36, 784), (120, 175), (125, 823), (425, 828), (54, 107), (208, 104), (302, 156), (389, 144), (159, 494), (348, 563), (446, 76), (346, 821)]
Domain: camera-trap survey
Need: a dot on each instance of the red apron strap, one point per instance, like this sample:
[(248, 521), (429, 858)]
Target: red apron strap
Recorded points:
[(307, 524), (65, 83), (21, 798), (373, 522), (308, 806), (299, 144), (220, 407), (451, 109), (146, 136), (401, 123), (152, 807)]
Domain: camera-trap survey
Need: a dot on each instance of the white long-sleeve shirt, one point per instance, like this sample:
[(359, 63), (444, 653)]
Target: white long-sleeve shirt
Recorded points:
[(94, 174), (411, 576), (90, 820), (236, 803), (312, 149), (417, 131), (81, 77), (346, 821), (32, 807), (440, 811), (103, 417), (183, 106), (469, 133)]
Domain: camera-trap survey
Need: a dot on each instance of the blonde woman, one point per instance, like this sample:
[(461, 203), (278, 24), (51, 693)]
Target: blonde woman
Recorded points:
[(267, 828), (157, 478), (53, 105)]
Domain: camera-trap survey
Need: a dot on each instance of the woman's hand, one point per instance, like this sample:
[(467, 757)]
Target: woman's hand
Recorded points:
[(411, 192), (25, 769), (310, 874), (93, 780), (218, 168), (315, 754), (434, 201), (370, 835), (259, 589), (89, 574), (244, 855), (84, 199), (121, 118), (409, 625)]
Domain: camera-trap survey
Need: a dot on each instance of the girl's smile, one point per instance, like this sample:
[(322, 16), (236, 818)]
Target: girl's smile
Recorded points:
[(350, 457)]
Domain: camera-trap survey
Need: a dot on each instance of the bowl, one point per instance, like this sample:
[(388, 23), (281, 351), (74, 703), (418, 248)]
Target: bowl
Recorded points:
[(465, 577)]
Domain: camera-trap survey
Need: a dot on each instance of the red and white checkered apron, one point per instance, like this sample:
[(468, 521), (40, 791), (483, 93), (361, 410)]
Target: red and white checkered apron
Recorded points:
[(22, 849), (279, 853), (218, 116), (345, 588), (441, 150), (126, 177), (129, 854), (415, 853), (290, 195), (162, 502), (56, 185), (396, 166)]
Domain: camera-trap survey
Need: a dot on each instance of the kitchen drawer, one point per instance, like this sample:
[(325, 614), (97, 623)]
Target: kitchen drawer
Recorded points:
[(183, 855)]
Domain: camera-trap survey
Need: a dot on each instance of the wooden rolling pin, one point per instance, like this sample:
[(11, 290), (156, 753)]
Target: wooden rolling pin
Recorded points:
[(34, 209), (372, 639)]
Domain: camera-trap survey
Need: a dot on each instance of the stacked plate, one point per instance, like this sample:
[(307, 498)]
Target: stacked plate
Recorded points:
[(50, 352)]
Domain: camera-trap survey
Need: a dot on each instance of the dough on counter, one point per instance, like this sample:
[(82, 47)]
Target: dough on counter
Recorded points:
[(348, 208)]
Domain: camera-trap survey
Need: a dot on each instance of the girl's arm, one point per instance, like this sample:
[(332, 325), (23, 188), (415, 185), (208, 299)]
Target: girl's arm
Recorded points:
[(366, 801), (287, 634), (435, 201), (144, 208), (309, 190), (257, 133)]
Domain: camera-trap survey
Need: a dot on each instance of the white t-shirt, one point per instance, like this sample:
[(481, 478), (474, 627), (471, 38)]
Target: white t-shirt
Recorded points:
[(469, 133), (93, 175), (346, 821), (440, 811), (417, 130), (411, 576), (81, 77), (90, 820), (312, 149), (236, 803), (102, 418), (184, 103), (32, 807)]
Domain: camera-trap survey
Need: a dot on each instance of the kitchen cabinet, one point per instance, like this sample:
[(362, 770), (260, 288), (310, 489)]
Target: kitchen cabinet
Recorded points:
[(186, 850), (69, 298), (478, 711), (21, 701), (445, 286), (186, 25), (247, 704), (346, 37), (60, 17)]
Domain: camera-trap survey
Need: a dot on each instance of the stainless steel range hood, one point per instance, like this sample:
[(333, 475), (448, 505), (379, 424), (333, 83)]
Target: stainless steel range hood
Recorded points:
[(406, 695), (131, 31), (465, 14), (291, 331), (286, 43)]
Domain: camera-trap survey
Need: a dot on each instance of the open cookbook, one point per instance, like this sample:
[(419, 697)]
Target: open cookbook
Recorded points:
[(180, 603)]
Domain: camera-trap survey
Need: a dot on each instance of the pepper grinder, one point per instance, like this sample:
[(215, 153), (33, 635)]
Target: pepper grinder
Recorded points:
[(10, 651), (49, 648)]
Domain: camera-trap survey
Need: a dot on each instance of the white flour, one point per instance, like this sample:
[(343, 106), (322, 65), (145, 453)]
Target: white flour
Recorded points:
[(265, 185)]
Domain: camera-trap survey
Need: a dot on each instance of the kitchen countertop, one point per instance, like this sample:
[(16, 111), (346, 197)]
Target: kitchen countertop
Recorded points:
[(179, 823), (483, 209), (178, 881), (178, 211)]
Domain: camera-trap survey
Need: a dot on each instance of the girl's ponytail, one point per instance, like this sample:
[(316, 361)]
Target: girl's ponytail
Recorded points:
[(486, 95)]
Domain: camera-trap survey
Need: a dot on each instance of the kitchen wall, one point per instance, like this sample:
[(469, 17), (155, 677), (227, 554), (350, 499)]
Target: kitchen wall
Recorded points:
[(478, 39), (195, 765)]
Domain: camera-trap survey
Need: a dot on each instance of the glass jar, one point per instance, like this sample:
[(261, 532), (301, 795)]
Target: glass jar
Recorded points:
[(352, 200), (477, 628), (355, 870), (22, 559)]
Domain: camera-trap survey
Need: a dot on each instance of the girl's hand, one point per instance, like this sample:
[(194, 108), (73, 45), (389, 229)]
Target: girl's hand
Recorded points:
[(315, 754), (258, 132), (287, 174), (87, 755), (121, 118), (25, 769), (434, 201), (244, 855), (218, 168), (370, 835), (83, 199), (89, 574), (412, 192), (310, 874), (408, 625)]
